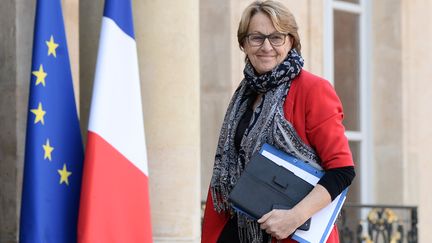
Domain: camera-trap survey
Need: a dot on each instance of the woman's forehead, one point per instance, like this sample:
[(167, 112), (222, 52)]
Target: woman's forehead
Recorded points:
[(261, 23)]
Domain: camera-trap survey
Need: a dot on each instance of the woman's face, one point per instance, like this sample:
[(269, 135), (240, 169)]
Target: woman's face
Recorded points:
[(265, 57)]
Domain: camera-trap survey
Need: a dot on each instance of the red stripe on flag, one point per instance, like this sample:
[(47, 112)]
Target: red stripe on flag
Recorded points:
[(114, 198)]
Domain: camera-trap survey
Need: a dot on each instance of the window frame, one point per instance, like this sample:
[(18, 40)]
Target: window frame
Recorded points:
[(364, 135)]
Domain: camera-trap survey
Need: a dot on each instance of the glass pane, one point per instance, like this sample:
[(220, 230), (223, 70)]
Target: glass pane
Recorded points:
[(347, 66), (354, 192), (350, 1)]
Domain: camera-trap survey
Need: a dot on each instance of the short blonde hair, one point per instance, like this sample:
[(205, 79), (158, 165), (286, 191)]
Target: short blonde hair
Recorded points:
[(283, 21)]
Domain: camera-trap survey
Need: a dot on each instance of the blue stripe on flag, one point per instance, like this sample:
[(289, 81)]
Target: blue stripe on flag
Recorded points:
[(120, 11)]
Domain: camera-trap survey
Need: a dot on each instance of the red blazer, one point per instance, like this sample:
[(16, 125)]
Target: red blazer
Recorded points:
[(315, 111)]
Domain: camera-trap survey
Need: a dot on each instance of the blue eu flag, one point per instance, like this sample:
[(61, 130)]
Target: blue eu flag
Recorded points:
[(54, 150)]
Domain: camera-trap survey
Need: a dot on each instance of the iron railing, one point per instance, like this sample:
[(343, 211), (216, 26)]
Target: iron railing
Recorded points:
[(362, 223)]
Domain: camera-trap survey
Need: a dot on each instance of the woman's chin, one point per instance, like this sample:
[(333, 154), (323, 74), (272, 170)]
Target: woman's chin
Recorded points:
[(264, 69)]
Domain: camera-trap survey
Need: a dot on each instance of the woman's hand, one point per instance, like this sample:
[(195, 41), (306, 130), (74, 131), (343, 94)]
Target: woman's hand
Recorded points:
[(280, 223)]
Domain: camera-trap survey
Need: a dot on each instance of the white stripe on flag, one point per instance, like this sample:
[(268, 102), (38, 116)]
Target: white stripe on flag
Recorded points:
[(116, 110)]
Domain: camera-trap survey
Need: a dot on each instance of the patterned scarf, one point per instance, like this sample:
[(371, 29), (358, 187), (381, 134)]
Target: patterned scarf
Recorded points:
[(268, 125)]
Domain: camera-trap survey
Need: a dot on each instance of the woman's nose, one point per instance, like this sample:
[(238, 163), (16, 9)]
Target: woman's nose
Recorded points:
[(266, 46)]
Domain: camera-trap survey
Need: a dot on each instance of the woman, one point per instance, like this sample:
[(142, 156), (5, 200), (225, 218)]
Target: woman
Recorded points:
[(281, 104)]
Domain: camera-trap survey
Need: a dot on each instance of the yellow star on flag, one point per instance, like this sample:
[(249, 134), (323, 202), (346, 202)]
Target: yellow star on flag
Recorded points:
[(64, 175), (52, 46), (40, 75), (39, 113), (48, 149)]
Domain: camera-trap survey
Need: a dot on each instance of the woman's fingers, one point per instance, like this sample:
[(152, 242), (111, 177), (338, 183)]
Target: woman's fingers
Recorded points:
[(278, 223), (265, 217)]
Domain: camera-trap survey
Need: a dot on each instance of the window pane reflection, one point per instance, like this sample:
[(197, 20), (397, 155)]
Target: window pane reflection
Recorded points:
[(354, 192), (346, 66), (350, 1)]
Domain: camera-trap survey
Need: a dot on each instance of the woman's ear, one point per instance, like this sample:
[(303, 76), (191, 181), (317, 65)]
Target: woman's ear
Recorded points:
[(242, 48), (292, 40), (246, 58)]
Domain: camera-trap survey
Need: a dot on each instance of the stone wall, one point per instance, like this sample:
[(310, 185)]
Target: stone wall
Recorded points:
[(416, 38), (8, 124), (401, 89)]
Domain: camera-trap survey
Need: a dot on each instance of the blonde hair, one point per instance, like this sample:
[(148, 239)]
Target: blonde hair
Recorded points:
[(283, 21)]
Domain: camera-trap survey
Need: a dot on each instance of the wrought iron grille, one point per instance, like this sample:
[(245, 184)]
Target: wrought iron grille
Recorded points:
[(361, 223)]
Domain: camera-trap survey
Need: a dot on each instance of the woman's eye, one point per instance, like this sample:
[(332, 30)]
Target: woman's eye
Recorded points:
[(257, 38)]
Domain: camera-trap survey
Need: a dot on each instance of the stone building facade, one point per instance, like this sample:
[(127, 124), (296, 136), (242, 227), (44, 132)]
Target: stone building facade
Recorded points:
[(375, 52)]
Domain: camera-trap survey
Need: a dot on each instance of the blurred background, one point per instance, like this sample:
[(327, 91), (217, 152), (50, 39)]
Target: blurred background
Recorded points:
[(376, 53)]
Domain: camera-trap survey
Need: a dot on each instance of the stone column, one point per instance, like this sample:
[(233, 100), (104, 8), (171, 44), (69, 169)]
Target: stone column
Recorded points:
[(90, 17), (387, 100), (16, 19), (402, 131), (71, 21), (8, 125), (416, 36), (215, 67), (167, 35)]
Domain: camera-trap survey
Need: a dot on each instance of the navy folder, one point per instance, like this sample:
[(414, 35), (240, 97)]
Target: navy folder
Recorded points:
[(265, 185)]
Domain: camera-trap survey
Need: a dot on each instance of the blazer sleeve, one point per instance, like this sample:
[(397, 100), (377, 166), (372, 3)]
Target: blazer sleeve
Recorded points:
[(324, 129)]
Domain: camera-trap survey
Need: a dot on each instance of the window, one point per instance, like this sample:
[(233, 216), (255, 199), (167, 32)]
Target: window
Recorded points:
[(346, 40)]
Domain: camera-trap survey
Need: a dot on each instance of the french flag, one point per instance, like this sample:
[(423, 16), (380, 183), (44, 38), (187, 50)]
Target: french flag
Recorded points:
[(114, 204)]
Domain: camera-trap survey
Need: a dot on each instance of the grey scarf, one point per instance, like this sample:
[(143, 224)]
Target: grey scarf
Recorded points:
[(268, 125)]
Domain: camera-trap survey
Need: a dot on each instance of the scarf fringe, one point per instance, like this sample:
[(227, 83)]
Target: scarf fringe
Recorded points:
[(249, 230)]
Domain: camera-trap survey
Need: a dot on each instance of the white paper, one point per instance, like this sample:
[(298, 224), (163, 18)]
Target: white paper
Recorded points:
[(319, 223), (311, 179)]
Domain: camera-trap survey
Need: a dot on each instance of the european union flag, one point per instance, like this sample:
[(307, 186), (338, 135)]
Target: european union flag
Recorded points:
[(54, 150)]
